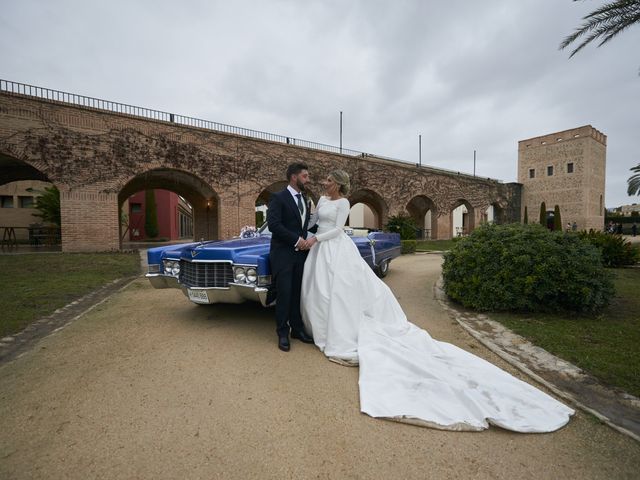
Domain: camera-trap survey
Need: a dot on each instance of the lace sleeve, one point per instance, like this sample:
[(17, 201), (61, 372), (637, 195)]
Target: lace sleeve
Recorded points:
[(343, 214)]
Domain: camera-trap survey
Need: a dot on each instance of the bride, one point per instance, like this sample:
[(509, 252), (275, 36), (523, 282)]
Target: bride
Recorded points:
[(405, 375)]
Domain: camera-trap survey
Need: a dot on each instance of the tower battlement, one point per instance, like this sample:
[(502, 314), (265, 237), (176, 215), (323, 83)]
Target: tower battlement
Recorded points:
[(563, 136)]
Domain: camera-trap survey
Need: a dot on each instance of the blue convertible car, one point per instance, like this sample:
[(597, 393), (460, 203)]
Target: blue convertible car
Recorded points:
[(237, 270)]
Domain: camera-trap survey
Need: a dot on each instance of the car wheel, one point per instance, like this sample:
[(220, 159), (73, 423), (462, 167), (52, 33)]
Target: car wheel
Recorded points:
[(382, 269)]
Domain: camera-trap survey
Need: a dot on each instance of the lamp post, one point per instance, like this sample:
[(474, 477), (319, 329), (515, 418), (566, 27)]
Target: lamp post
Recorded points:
[(208, 210), (340, 131), (474, 163)]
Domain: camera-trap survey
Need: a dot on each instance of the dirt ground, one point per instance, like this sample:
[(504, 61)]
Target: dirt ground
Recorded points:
[(148, 385)]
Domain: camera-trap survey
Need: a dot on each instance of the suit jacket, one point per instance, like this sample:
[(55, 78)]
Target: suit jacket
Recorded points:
[(285, 225)]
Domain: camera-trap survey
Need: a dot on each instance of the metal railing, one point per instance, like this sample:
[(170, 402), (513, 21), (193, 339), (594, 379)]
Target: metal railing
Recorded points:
[(122, 108), (142, 112)]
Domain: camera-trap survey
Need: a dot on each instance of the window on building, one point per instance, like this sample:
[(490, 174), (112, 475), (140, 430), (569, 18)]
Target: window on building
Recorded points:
[(136, 207), (550, 170), (601, 212), (570, 167), (25, 202), (6, 201), (185, 222), (532, 173)]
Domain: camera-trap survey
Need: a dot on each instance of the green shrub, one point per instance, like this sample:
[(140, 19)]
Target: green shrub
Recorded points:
[(150, 214), (404, 225), (409, 246), (615, 250), (526, 268), (543, 214)]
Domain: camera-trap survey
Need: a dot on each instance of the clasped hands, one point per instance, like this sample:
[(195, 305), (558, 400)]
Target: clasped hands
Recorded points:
[(305, 244)]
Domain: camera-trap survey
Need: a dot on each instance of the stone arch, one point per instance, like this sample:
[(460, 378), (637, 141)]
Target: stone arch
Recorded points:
[(374, 201), (424, 212), (22, 183), (202, 198), (494, 213), (14, 170), (462, 217)]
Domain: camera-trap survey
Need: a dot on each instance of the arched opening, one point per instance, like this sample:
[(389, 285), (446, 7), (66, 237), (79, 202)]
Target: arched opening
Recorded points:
[(361, 216), (368, 208), (494, 214), (22, 225), (462, 218), (423, 211), (187, 208)]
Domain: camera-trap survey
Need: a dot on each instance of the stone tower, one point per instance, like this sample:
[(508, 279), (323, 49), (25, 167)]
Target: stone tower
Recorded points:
[(565, 169)]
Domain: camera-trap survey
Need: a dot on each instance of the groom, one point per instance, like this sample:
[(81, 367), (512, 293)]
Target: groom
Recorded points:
[(288, 218)]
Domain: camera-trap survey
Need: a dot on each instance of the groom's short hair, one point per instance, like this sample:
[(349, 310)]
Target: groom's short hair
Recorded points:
[(295, 168)]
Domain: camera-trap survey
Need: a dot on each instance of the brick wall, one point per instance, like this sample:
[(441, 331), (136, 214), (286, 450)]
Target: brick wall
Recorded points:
[(100, 158), (579, 194)]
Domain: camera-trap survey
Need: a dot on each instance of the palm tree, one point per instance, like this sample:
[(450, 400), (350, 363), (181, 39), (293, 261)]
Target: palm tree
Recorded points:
[(604, 23), (634, 181)]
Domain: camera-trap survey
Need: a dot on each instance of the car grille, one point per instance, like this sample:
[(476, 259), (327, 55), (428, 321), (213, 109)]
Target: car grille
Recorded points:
[(206, 274)]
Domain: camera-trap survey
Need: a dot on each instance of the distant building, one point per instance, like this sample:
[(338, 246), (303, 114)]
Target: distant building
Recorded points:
[(17, 205), (175, 217), (566, 169), (628, 210)]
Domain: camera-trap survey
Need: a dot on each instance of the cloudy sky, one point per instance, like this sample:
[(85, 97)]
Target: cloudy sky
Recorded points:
[(465, 75)]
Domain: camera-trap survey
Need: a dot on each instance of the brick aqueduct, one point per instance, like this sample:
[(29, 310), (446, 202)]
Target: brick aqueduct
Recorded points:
[(99, 153)]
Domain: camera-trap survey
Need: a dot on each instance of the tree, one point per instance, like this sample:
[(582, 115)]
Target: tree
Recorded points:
[(557, 221), (48, 204), (150, 214), (543, 214), (634, 181), (402, 224), (526, 215), (604, 23)]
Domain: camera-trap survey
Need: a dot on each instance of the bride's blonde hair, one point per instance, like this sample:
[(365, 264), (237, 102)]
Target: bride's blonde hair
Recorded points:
[(341, 178)]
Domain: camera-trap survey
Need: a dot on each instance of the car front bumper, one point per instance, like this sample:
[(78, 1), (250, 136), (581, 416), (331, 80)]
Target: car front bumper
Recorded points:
[(234, 293)]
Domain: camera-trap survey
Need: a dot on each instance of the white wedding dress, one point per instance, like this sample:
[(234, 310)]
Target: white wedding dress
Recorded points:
[(405, 375)]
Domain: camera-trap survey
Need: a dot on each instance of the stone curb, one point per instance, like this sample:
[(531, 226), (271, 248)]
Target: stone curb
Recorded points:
[(16, 345), (563, 378)]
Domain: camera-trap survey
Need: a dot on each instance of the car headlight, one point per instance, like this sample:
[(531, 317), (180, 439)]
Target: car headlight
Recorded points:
[(171, 267), (252, 275), (239, 274)]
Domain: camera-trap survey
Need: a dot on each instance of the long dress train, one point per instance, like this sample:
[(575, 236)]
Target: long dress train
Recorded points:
[(405, 374)]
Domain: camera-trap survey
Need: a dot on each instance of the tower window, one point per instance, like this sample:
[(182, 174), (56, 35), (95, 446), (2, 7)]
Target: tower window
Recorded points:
[(25, 202), (570, 167), (550, 170), (6, 201), (532, 173)]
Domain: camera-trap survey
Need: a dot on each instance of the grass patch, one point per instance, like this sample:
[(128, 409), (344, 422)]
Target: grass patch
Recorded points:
[(434, 245), (35, 285), (607, 345)]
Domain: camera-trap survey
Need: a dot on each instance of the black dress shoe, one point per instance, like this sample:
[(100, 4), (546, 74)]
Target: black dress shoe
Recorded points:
[(283, 344), (303, 337)]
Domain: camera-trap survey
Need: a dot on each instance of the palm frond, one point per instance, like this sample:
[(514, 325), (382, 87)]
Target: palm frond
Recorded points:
[(633, 183), (605, 22)]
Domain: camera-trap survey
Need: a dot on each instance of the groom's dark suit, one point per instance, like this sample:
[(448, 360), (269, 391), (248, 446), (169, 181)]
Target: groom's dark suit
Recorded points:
[(287, 225)]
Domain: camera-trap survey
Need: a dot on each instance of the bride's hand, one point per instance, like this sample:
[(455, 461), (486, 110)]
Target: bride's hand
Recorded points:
[(311, 242)]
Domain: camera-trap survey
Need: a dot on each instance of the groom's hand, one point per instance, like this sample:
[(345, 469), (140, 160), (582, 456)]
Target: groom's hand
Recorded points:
[(301, 244)]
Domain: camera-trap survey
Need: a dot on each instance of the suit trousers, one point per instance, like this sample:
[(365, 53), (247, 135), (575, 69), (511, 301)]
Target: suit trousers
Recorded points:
[(288, 282)]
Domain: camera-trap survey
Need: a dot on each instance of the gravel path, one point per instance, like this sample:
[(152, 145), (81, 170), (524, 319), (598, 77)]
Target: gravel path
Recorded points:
[(147, 385)]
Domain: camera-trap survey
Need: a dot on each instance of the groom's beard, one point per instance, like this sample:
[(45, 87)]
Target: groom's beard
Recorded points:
[(300, 186)]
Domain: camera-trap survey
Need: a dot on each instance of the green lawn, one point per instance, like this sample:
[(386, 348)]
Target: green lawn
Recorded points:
[(35, 285), (434, 245), (607, 346)]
